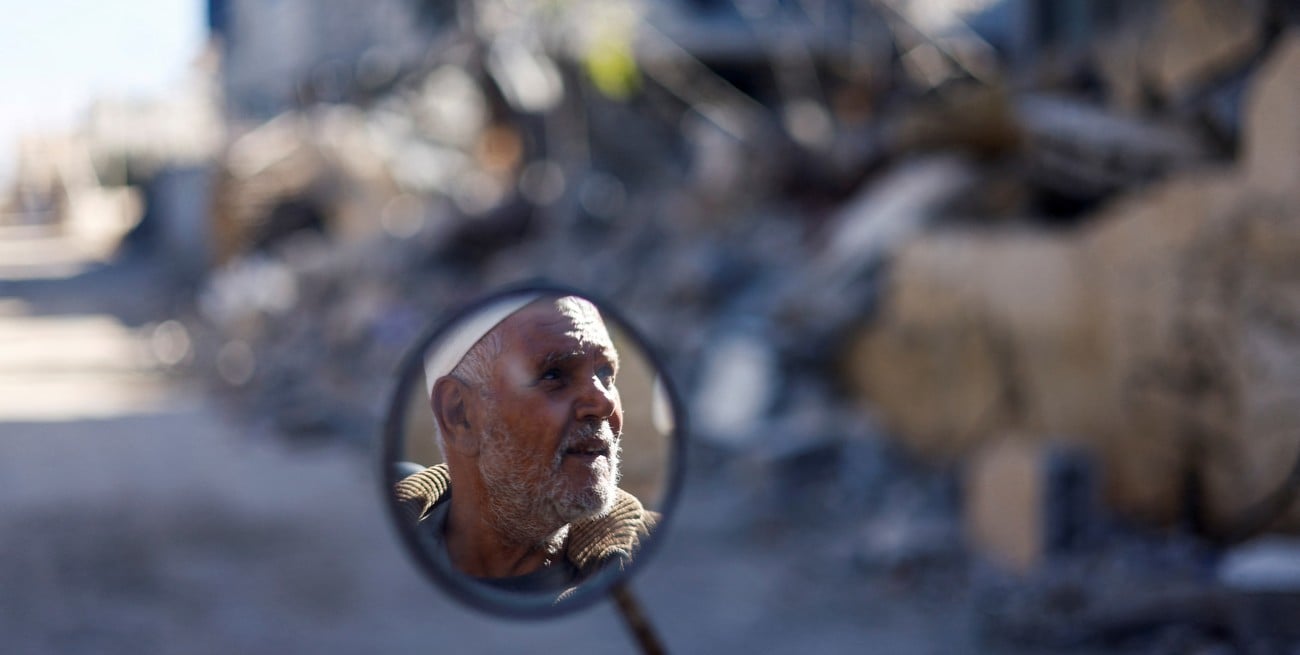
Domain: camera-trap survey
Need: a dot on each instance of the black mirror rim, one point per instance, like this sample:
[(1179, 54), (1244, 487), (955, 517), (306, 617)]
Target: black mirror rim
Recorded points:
[(410, 372)]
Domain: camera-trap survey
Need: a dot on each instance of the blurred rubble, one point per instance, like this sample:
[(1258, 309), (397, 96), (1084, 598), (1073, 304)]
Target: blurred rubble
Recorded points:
[(1155, 335), (843, 227)]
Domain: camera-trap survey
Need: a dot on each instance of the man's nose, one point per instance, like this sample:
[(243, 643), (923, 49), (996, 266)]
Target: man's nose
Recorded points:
[(598, 401)]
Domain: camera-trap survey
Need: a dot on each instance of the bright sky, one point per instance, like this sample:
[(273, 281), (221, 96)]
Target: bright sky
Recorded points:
[(58, 55)]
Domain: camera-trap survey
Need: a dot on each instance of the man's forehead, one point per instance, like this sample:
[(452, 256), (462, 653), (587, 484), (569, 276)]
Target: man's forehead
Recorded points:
[(567, 319)]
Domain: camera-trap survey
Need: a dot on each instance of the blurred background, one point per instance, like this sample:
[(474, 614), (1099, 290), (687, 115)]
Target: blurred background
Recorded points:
[(986, 312)]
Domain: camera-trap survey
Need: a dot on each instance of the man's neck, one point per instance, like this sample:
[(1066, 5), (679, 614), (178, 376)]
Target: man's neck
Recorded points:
[(477, 549)]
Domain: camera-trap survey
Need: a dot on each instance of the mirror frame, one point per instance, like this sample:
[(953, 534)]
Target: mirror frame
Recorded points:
[(410, 372)]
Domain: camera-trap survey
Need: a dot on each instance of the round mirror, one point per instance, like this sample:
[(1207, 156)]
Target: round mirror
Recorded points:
[(532, 452)]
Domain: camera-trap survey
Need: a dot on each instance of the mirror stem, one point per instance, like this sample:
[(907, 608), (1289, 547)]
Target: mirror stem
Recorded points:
[(642, 631)]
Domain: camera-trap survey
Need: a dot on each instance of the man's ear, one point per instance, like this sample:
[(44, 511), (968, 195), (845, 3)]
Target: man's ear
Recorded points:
[(454, 406)]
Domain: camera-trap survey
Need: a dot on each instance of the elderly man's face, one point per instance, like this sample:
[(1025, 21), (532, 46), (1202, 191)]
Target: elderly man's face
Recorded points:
[(551, 452)]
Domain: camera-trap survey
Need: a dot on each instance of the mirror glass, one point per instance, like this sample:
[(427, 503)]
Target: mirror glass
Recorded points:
[(532, 452)]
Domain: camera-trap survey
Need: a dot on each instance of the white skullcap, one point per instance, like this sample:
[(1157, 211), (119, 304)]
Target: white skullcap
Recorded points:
[(453, 345)]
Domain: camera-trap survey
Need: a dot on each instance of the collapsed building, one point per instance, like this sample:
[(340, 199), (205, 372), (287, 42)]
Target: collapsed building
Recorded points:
[(992, 235)]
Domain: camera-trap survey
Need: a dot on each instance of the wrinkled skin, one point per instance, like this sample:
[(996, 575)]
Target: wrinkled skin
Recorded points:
[(537, 448), (550, 450)]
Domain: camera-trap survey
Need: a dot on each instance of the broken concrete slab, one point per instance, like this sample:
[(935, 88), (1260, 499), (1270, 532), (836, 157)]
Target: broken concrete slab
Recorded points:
[(1027, 500), (1194, 40), (1271, 141), (995, 332)]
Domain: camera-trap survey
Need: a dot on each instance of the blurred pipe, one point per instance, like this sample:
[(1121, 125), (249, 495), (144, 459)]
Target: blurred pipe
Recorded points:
[(986, 75), (706, 92)]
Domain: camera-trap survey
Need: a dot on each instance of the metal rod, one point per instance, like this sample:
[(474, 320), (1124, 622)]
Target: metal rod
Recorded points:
[(636, 621)]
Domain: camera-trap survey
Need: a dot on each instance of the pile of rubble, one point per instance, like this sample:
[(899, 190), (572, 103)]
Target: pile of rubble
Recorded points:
[(1071, 287), (1094, 257), (1161, 336)]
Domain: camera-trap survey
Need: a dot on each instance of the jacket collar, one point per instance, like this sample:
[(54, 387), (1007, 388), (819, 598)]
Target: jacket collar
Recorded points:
[(592, 543)]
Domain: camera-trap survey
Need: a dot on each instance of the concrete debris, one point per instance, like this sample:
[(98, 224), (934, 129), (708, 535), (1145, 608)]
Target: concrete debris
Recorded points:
[(1026, 502), (886, 215), (940, 335), (1194, 40), (1088, 151), (1157, 337), (831, 260), (1271, 143), (998, 302)]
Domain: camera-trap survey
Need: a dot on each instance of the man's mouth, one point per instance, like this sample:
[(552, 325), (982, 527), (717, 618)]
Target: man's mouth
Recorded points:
[(588, 444), (588, 449)]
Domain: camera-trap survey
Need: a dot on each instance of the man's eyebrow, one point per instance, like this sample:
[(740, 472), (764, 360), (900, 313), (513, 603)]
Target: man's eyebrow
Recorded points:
[(558, 357)]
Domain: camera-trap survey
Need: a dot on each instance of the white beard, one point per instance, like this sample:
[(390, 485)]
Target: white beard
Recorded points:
[(528, 500)]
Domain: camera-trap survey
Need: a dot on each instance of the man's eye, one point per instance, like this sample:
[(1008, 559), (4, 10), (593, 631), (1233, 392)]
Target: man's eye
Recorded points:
[(551, 374), (606, 373)]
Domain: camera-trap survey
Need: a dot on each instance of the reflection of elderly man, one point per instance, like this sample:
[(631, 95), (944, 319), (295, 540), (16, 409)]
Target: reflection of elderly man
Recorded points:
[(529, 421)]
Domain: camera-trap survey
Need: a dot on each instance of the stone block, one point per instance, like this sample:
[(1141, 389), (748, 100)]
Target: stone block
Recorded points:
[(995, 333), (1026, 500), (1271, 139), (1195, 40), (1164, 338)]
